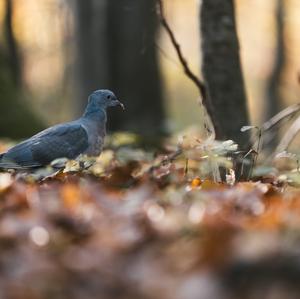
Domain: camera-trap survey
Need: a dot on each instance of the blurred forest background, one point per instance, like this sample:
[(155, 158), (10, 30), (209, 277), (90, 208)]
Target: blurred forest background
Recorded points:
[(53, 53), (141, 223)]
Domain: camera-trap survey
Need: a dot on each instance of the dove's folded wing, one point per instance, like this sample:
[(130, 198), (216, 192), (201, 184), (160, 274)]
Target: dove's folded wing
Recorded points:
[(67, 140)]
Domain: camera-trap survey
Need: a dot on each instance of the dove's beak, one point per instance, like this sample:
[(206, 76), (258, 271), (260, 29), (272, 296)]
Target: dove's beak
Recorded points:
[(118, 103)]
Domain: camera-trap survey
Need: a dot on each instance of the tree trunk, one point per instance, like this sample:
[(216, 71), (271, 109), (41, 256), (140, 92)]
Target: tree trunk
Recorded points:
[(16, 117), (273, 92), (134, 65), (91, 59), (116, 43), (13, 53), (221, 69)]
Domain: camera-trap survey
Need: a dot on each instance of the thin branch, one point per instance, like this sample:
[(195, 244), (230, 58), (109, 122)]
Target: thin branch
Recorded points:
[(184, 62), (177, 47), (289, 136), (282, 115), (167, 159)]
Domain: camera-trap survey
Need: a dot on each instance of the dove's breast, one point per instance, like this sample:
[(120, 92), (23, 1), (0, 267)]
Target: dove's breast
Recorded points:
[(96, 135)]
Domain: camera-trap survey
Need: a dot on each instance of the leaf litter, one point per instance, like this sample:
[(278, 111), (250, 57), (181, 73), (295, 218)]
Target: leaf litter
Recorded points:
[(137, 224)]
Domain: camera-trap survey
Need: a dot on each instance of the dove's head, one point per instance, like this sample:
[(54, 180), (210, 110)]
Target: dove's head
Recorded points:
[(103, 98)]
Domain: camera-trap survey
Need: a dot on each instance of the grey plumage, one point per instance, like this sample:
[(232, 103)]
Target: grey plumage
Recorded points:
[(68, 140)]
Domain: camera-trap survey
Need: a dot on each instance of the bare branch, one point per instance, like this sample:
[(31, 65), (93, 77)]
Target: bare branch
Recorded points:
[(287, 113), (200, 85), (176, 45), (289, 136), (167, 159)]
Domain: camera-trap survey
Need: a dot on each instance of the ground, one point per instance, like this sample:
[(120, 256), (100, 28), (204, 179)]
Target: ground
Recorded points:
[(137, 224)]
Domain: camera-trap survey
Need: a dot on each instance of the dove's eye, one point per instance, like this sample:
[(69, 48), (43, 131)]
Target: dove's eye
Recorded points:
[(108, 97)]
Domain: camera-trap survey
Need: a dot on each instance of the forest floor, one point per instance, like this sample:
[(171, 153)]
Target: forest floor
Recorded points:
[(136, 224)]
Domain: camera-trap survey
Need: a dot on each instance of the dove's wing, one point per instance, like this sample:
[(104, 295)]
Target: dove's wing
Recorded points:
[(66, 140)]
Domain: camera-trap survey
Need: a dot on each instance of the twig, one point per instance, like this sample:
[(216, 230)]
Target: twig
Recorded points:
[(167, 159), (282, 115), (186, 167), (176, 45), (184, 63), (293, 130), (257, 150), (251, 151)]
